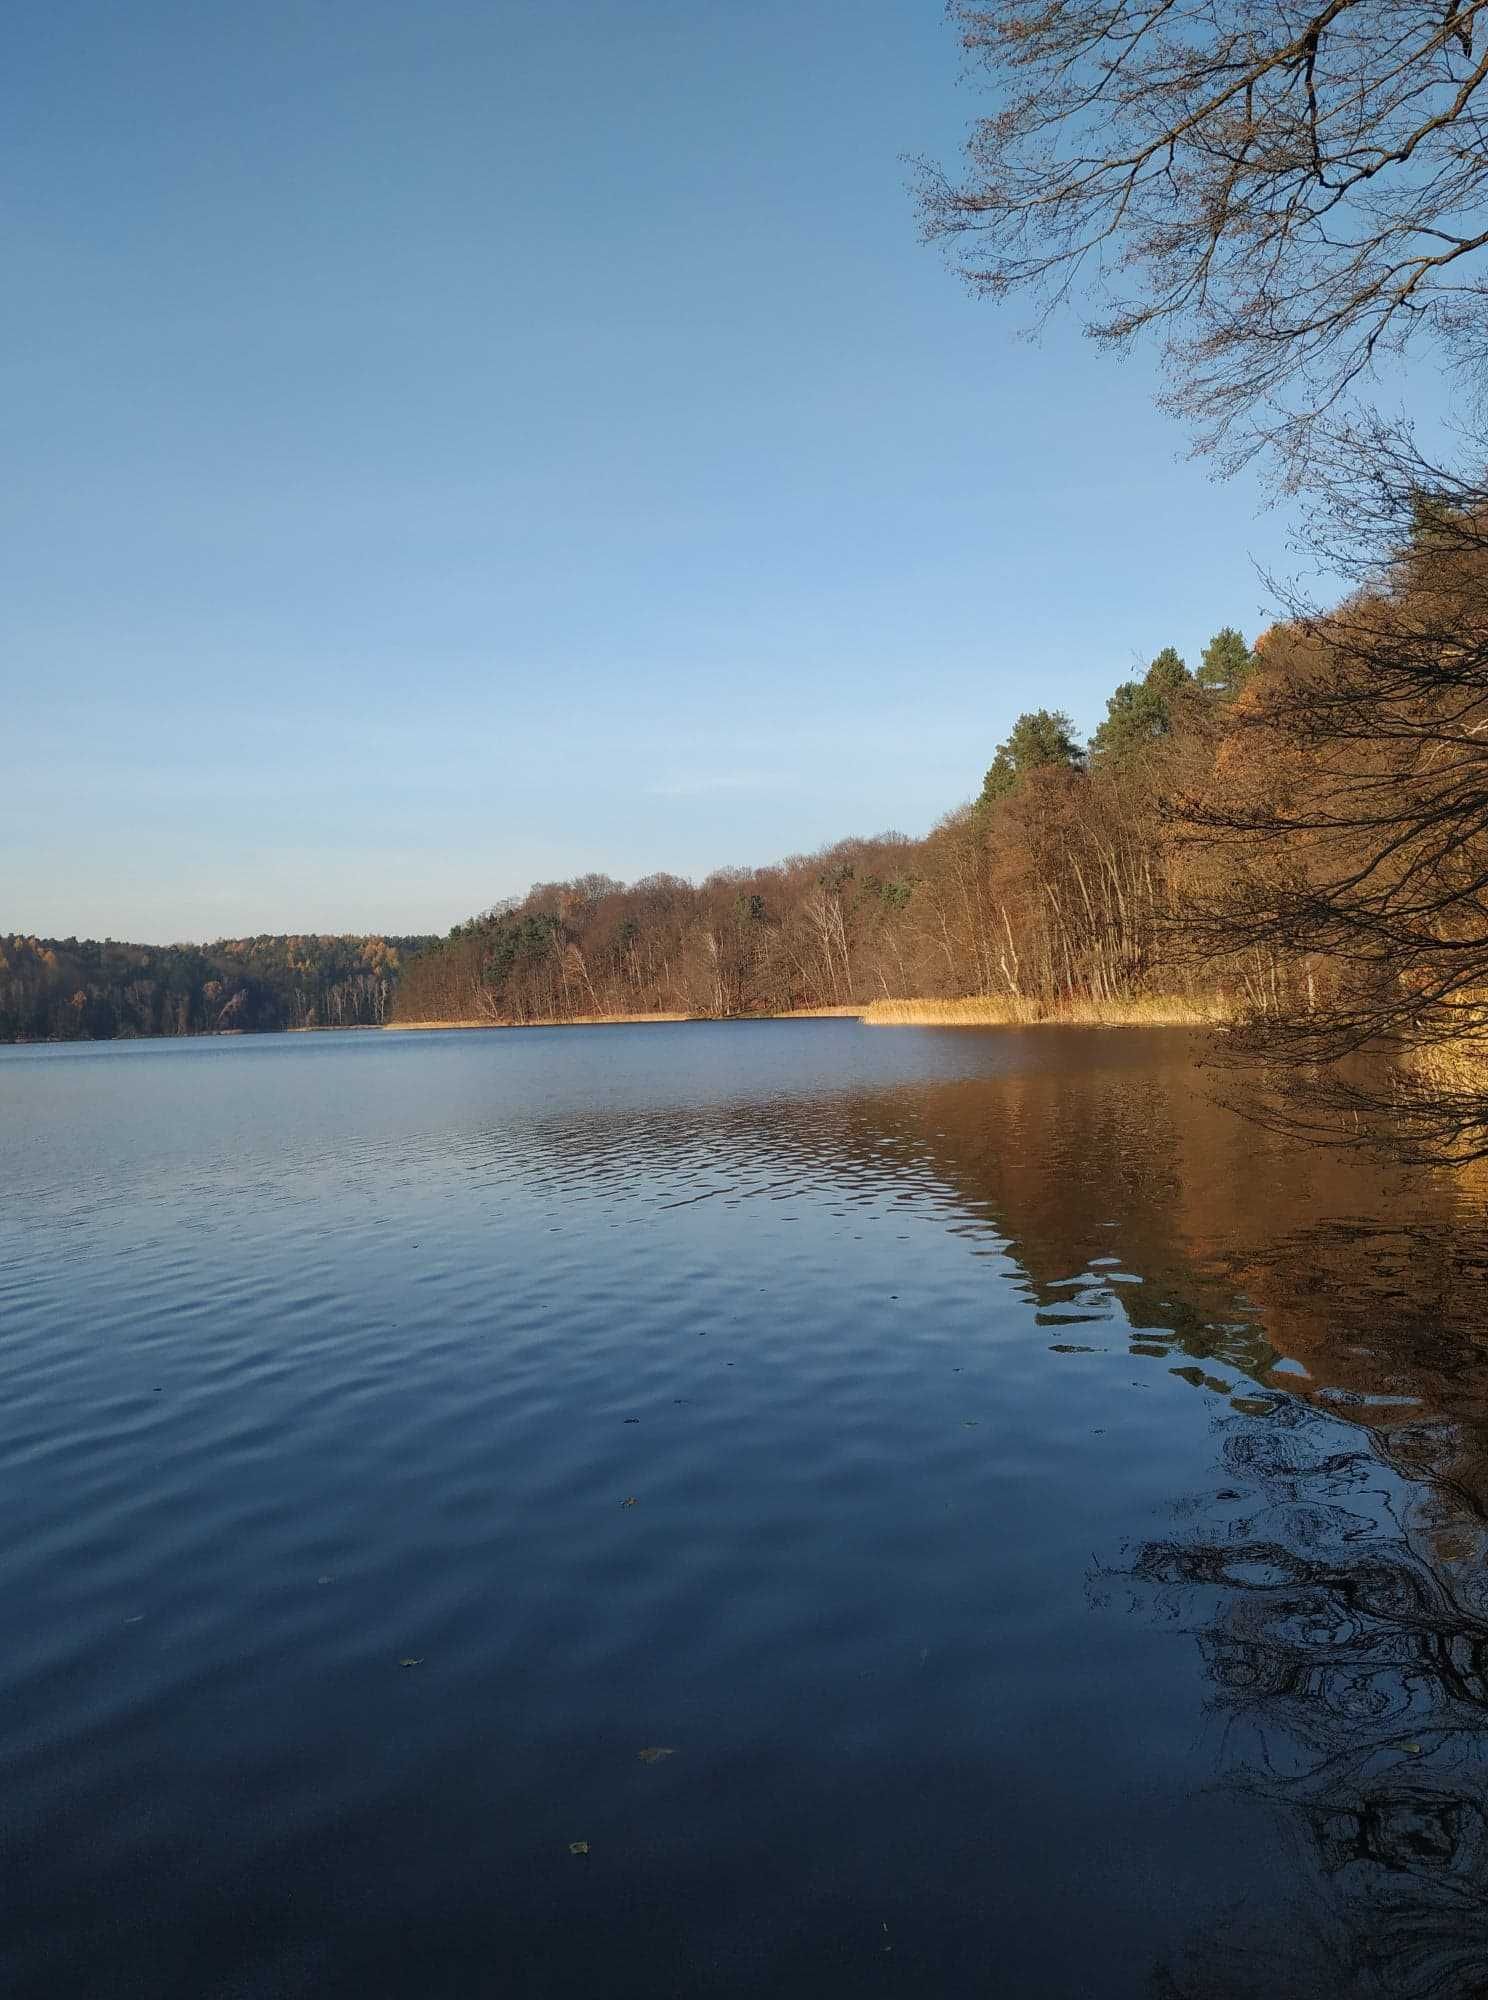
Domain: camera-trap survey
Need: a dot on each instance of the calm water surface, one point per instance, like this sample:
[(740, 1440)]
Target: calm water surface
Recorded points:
[(1040, 1519)]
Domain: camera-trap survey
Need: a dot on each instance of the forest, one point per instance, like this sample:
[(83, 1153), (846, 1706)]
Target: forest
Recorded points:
[(66, 990), (1052, 887)]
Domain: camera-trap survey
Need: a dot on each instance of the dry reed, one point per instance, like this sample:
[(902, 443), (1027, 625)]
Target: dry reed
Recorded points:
[(996, 1010), (983, 1010)]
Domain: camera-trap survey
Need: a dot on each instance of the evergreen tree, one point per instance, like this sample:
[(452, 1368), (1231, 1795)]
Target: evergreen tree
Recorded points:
[(1040, 738), (1226, 662), (1141, 711)]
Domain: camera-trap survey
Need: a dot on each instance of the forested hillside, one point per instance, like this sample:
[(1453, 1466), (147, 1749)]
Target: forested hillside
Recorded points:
[(1054, 884), (66, 989), (1294, 836)]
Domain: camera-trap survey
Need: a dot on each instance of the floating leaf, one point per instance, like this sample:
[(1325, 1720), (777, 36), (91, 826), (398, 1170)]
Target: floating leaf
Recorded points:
[(630, 1502), (655, 1752), (578, 1847), (416, 1660)]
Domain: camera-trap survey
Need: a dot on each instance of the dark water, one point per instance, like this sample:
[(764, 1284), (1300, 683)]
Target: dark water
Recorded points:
[(1041, 1518)]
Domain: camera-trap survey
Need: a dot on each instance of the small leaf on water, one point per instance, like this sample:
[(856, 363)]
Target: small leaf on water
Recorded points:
[(630, 1502), (578, 1847), (416, 1660), (968, 1423), (1414, 1749), (654, 1752)]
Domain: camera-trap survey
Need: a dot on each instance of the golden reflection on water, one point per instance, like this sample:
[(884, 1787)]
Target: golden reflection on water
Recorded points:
[(1335, 1314), (1346, 1643)]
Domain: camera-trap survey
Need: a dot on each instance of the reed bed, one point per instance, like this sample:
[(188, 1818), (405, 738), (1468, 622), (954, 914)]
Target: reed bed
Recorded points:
[(996, 1010)]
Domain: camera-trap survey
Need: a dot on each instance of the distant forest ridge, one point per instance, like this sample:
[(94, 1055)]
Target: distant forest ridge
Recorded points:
[(70, 989)]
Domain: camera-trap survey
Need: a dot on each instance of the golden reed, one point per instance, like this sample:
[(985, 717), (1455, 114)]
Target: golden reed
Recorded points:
[(994, 1010)]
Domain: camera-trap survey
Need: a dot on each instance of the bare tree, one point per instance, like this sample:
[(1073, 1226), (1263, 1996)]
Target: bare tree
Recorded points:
[(1356, 824), (1284, 193)]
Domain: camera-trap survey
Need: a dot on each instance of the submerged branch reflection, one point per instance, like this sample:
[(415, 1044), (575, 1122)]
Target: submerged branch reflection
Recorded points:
[(1349, 1670)]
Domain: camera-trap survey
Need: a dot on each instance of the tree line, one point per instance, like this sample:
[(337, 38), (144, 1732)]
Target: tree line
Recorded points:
[(67, 989), (1055, 883)]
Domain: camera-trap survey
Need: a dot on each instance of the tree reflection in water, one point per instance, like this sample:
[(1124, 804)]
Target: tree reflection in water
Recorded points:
[(1350, 1678), (1336, 1318)]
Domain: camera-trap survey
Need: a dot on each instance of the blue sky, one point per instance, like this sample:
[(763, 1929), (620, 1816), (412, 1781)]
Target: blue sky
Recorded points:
[(460, 444)]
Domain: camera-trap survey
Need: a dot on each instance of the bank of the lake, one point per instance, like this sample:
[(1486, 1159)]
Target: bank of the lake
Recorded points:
[(980, 1011)]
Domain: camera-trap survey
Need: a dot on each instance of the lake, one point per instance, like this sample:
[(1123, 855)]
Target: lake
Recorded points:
[(760, 1508)]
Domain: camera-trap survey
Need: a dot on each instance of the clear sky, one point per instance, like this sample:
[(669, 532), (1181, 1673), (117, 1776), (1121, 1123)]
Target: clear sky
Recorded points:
[(460, 443)]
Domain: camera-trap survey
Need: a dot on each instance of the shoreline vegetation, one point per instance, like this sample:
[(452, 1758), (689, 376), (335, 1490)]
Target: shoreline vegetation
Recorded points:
[(1002, 1011), (973, 1011)]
